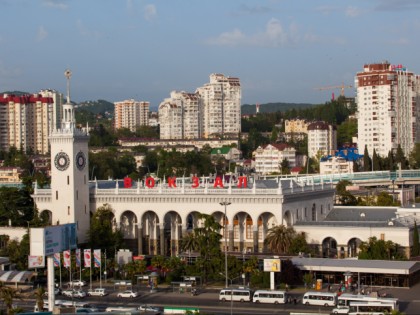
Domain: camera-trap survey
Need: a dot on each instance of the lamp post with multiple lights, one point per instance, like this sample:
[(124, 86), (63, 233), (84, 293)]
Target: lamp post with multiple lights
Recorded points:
[(225, 204)]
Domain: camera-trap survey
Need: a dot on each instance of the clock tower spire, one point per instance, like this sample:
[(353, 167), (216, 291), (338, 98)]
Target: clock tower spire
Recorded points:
[(69, 171)]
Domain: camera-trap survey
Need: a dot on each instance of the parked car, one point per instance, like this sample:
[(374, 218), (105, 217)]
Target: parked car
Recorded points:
[(120, 309), (341, 310), (149, 308), (57, 291), (128, 294), (76, 283), (97, 292), (74, 293)]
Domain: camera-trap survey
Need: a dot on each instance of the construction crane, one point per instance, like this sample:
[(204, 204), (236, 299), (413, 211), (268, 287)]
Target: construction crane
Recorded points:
[(341, 87)]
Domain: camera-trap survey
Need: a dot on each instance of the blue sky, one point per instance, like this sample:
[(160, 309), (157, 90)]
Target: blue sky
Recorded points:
[(282, 51)]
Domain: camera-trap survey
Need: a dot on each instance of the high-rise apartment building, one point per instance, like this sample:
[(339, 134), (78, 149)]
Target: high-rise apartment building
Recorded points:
[(131, 114), (179, 116), (387, 108), (26, 121), (322, 139), (220, 107), (213, 111)]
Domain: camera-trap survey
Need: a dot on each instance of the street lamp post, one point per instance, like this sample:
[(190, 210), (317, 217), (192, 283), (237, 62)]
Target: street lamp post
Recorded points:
[(225, 204)]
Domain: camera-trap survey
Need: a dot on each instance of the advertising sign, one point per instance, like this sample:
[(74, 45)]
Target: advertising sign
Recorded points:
[(57, 260), (66, 258), (53, 239), (272, 265), (87, 256), (36, 262), (97, 258)]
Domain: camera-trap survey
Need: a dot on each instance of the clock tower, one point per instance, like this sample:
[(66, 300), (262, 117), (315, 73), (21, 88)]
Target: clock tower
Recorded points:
[(69, 172)]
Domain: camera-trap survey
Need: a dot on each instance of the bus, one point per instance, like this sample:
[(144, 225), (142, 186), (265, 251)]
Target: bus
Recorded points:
[(345, 299), (266, 296), (370, 308), (240, 295), (319, 298), (180, 310)]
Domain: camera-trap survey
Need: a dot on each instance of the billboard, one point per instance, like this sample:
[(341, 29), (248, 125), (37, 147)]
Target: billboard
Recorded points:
[(272, 265), (36, 262), (53, 239)]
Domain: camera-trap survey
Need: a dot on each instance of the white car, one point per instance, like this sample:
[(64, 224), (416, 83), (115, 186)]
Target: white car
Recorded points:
[(128, 294), (148, 308), (341, 310), (74, 293), (76, 283), (97, 292)]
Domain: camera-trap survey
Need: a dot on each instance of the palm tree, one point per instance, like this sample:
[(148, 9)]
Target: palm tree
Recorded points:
[(39, 298), (8, 294), (189, 242), (279, 238)]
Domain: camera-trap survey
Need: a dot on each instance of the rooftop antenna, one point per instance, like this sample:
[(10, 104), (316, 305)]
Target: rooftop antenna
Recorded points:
[(67, 74)]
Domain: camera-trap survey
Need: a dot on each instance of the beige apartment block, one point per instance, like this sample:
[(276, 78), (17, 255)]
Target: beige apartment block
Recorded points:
[(131, 114), (26, 121), (388, 103)]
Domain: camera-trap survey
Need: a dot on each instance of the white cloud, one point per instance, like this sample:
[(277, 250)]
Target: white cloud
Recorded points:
[(42, 34), (353, 12), (84, 31), (274, 35), (150, 12), (57, 4)]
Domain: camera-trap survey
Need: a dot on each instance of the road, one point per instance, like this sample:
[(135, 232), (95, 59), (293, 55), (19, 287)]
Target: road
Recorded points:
[(207, 301)]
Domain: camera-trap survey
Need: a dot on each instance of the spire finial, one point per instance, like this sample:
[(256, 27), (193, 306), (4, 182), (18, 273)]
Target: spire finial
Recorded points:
[(67, 74)]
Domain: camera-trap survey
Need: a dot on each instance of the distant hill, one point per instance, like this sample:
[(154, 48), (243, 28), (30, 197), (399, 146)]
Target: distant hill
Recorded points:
[(17, 93), (97, 107), (247, 109)]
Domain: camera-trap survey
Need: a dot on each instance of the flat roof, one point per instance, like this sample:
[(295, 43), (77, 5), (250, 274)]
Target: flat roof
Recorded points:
[(357, 265)]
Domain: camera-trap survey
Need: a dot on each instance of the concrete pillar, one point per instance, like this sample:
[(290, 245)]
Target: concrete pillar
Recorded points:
[(140, 239), (255, 238), (162, 239), (231, 238)]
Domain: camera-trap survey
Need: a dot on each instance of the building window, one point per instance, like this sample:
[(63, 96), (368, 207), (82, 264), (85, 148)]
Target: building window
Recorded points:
[(68, 210), (68, 180)]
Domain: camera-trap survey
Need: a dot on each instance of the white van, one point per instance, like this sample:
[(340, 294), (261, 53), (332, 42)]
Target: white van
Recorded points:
[(240, 295), (320, 298), (120, 309), (267, 296)]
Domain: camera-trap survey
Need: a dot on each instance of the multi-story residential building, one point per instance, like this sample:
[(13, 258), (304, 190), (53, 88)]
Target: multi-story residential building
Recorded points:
[(296, 126), (26, 121), (58, 101), (388, 102), (322, 139), (220, 107), (294, 130), (179, 116), (335, 165), (268, 158), (131, 114)]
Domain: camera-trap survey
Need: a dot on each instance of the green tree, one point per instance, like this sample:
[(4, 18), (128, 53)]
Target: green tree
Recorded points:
[(208, 237), (285, 166), (366, 161), (299, 244), (414, 158), (274, 135), (376, 161), (400, 158), (189, 242), (279, 239), (102, 233), (39, 298), (18, 252), (416, 246), (136, 267), (384, 199), (379, 250), (8, 295)]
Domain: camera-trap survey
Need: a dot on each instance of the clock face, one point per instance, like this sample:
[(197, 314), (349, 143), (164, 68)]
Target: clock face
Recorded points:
[(62, 161), (80, 160)]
